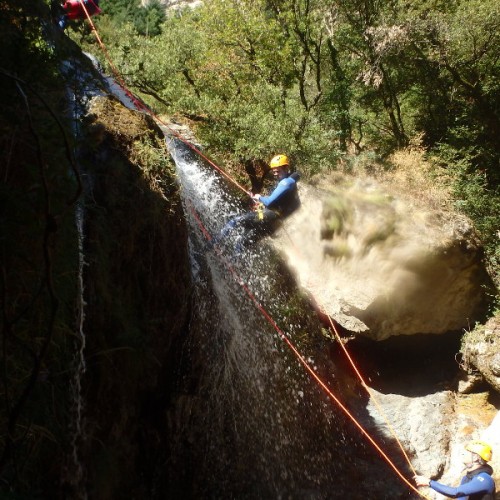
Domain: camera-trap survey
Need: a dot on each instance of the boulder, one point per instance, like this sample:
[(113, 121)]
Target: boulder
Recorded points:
[(381, 266), (421, 424), (481, 351)]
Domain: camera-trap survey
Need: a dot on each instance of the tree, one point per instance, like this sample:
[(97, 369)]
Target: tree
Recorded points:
[(149, 19)]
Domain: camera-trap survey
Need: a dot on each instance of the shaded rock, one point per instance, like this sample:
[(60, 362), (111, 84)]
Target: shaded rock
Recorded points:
[(481, 350), (469, 382), (421, 424), (381, 267)]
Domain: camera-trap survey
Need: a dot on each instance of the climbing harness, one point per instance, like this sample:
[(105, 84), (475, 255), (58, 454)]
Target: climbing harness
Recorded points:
[(307, 366)]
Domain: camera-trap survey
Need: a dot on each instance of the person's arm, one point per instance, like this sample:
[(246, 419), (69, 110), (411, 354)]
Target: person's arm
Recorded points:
[(283, 186), (479, 484)]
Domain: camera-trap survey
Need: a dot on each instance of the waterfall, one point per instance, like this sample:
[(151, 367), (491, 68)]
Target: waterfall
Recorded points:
[(262, 428), (81, 87), (80, 367)]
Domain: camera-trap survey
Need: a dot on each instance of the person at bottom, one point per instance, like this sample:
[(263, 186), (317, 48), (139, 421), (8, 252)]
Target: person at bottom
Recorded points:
[(477, 484)]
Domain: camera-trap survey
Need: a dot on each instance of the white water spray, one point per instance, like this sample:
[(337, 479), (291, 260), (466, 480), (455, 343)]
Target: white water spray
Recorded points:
[(254, 391), (80, 364)]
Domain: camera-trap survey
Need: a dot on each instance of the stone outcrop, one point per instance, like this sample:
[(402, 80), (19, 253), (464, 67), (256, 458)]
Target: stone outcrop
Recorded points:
[(175, 4), (380, 266), (481, 349)]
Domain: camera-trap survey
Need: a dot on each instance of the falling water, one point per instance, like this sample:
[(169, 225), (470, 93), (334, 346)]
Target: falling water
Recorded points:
[(262, 428), (81, 87), (80, 366)]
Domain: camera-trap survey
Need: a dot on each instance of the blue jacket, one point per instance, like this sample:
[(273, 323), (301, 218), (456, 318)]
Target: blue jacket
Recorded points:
[(477, 484), (285, 198)]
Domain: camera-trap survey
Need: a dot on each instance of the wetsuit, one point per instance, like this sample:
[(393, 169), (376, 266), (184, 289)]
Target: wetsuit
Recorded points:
[(270, 210), (74, 10), (475, 485), (284, 199)]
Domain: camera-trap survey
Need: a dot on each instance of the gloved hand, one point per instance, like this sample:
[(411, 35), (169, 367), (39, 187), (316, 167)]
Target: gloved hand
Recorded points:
[(256, 197), (421, 480)]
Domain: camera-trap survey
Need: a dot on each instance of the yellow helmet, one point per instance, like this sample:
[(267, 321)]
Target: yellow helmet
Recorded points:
[(279, 161), (481, 448)]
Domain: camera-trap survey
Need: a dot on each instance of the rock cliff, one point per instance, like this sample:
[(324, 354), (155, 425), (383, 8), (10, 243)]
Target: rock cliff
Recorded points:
[(384, 268), (381, 266)]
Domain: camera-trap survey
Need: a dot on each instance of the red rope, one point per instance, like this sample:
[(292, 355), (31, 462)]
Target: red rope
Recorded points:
[(322, 310), (247, 290), (303, 361), (143, 107)]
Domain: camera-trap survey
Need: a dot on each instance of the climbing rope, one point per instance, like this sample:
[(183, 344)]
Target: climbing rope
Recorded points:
[(300, 357), (264, 312), (141, 106), (370, 392)]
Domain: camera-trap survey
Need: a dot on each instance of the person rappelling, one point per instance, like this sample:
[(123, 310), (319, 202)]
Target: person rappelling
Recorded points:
[(74, 10), (268, 211)]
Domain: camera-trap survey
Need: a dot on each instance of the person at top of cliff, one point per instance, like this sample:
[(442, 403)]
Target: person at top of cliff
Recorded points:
[(477, 484), (268, 211), (74, 10)]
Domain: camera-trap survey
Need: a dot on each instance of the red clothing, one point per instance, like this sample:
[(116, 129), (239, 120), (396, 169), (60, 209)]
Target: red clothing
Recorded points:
[(74, 9)]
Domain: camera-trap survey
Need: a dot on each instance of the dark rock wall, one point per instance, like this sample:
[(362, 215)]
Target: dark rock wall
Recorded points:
[(137, 285)]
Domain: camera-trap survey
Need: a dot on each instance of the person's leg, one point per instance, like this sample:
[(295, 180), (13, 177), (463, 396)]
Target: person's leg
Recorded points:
[(256, 227), (233, 223), (240, 229), (271, 222)]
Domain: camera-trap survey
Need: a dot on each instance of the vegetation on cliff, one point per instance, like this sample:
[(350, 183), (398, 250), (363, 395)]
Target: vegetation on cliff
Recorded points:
[(330, 82), (105, 178)]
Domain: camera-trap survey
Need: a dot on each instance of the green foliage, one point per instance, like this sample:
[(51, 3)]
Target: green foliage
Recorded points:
[(146, 20), (318, 79), (149, 19), (477, 198), (121, 11)]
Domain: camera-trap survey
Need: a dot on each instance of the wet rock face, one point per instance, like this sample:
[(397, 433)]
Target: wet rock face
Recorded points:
[(381, 267), (481, 350), (136, 292)]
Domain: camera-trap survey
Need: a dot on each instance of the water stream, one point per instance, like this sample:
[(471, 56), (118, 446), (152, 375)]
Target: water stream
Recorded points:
[(80, 88), (80, 366), (256, 424)]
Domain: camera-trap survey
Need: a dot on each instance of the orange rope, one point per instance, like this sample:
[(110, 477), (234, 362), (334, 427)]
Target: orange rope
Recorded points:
[(143, 107), (370, 392), (303, 361), (299, 356), (358, 373)]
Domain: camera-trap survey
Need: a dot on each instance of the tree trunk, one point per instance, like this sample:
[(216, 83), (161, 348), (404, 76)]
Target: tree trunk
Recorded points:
[(391, 105), (342, 102)]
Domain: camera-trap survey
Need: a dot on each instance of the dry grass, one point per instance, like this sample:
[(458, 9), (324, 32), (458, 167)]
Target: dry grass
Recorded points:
[(407, 173), (411, 172)]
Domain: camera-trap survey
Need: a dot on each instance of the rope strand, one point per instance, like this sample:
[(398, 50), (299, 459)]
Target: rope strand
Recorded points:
[(303, 361), (249, 293)]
